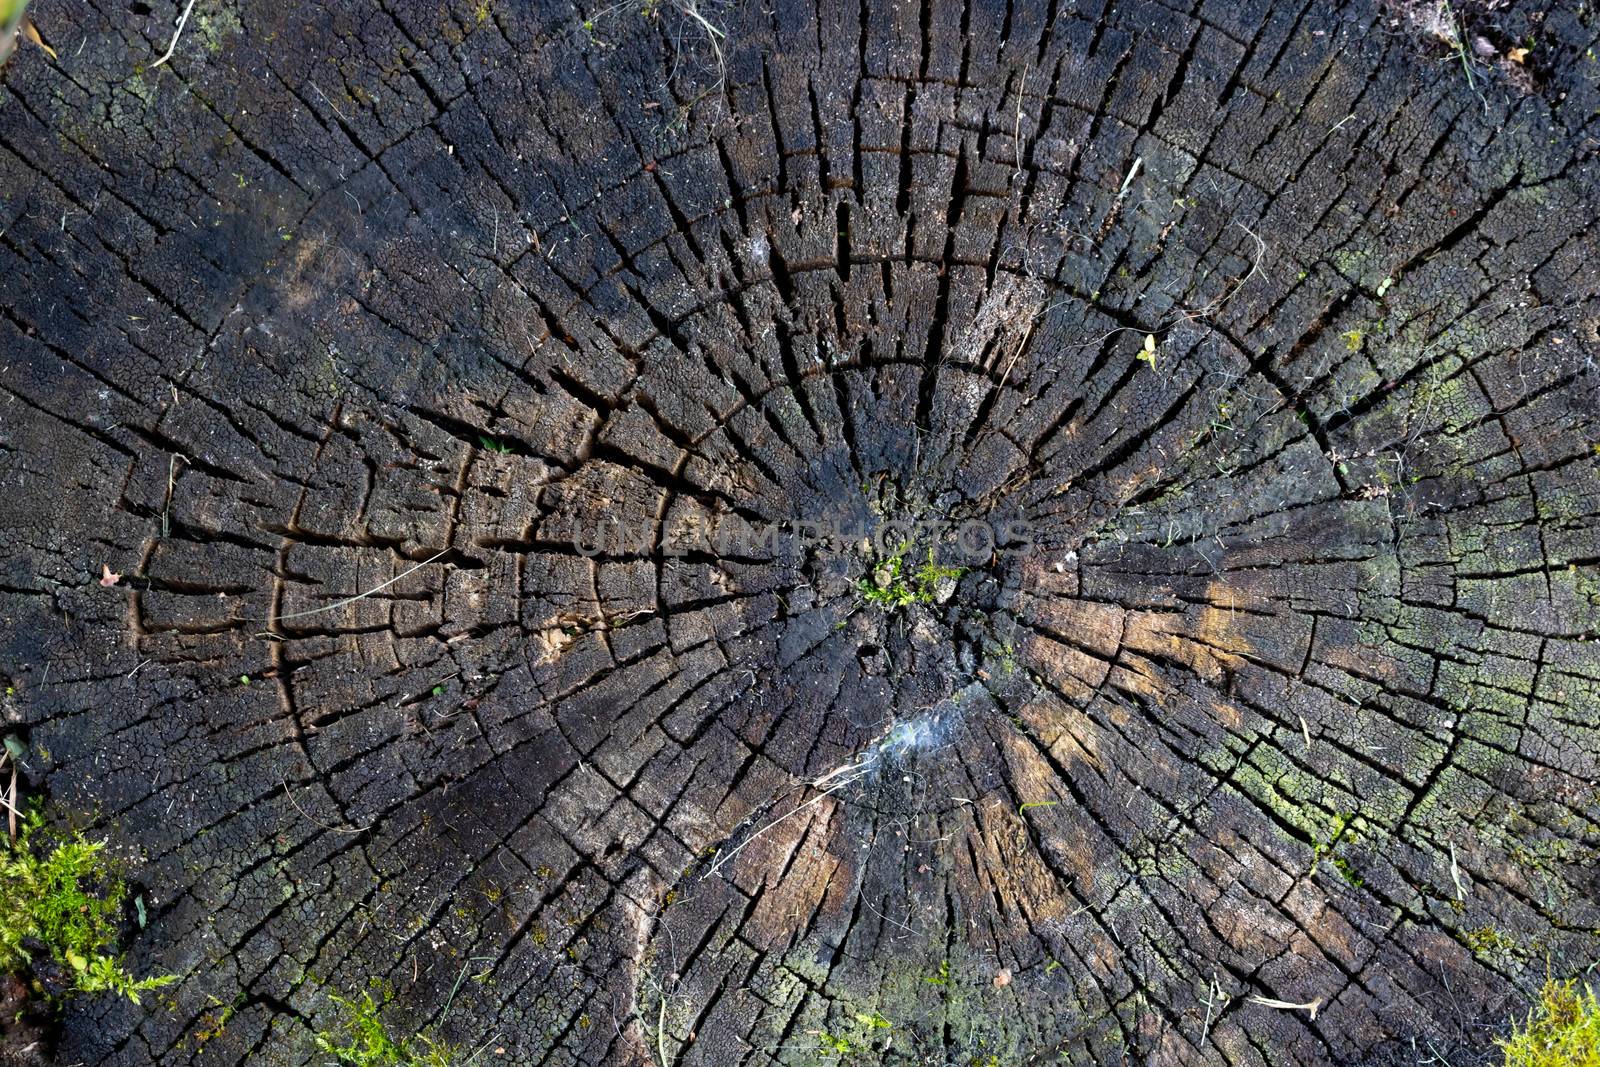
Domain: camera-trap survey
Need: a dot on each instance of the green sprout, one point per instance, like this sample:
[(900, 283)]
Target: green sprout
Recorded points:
[(1147, 354), (491, 445)]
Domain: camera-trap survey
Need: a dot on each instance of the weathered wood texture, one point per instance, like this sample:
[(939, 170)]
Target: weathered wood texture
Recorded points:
[(1294, 695)]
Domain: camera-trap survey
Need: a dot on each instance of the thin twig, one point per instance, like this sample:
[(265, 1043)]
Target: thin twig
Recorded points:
[(1133, 172), (1020, 345), (1231, 288), (182, 20), (661, 1031), (336, 111), (691, 8), (1213, 991), (726, 856), (172, 485), (1455, 873), (360, 596), (457, 987), (1022, 88), (481, 1050), (5, 799), (309, 818), (11, 802)]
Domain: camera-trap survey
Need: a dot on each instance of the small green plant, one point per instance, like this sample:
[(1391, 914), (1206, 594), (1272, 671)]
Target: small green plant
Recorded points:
[(491, 445), (213, 1024), (1147, 354), (61, 899), (1562, 1029), (831, 1044), (890, 587), (362, 1040)]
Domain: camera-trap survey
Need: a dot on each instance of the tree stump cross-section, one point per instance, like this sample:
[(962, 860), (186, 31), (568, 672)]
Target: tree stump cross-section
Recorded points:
[(801, 533)]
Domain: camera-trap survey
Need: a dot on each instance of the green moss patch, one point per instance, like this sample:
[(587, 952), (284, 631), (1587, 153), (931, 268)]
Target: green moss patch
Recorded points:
[(1562, 1029), (360, 1039), (891, 586), (62, 899)]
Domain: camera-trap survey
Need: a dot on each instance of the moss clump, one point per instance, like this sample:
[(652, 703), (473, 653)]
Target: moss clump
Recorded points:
[(1341, 830), (362, 1040), (1562, 1029), (889, 585), (856, 1038), (1487, 941), (62, 899)]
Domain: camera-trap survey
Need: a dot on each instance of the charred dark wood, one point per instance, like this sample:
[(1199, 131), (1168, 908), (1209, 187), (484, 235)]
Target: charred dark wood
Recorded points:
[(416, 365)]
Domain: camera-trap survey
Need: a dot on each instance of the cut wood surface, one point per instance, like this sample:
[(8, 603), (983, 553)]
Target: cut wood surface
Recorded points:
[(405, 364)]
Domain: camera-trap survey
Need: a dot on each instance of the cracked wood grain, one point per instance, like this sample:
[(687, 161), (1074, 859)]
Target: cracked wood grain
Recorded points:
[(342, 333)]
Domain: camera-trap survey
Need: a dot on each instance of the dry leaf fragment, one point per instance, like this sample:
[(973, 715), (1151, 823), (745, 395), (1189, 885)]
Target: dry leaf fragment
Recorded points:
[(108, 577), (1286, 1005), (1516, 55), (31, 31)]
